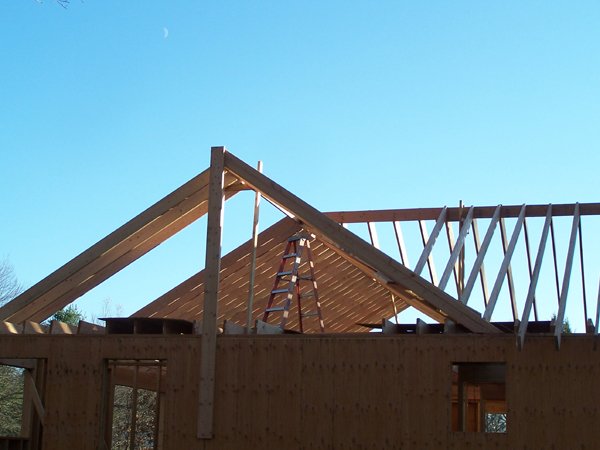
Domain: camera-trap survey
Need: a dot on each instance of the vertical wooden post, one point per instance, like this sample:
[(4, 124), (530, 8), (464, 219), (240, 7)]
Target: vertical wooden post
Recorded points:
[(249, 320), (211, 292)]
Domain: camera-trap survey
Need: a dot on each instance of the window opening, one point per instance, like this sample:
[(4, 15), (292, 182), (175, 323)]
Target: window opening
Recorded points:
[(479, 397), (21, 407), (136, 398)]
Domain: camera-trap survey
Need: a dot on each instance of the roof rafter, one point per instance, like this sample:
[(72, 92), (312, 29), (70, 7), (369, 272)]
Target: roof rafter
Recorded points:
[(413, 289)]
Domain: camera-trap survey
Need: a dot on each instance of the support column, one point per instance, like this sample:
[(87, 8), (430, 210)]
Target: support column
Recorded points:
[(211, 291)]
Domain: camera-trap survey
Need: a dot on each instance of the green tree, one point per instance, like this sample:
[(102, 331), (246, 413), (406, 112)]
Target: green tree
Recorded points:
[(71, 315)]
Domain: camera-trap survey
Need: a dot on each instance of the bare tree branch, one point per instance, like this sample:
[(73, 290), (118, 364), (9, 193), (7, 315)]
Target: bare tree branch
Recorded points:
[(9, 284)]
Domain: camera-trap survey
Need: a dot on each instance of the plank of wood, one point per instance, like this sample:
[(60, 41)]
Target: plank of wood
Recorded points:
[(454, 214), (10, 328), (489, 234), (95, 273), (504, 266), (35, 396), (428, 243), (57, 327), (415, 290), (562, 305), (456, 250), (534, 278), (105, 244), (482, 275), (216, 198), (401, 244)]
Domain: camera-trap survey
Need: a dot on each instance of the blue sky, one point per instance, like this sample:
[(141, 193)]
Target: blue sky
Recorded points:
[(108, 106)]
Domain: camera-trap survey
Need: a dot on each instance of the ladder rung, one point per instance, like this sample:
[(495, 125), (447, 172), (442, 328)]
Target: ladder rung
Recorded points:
[(307, 294), (290, 255), (279, 291), (305, 277), (310, 314), (276, 308), (281, 274)]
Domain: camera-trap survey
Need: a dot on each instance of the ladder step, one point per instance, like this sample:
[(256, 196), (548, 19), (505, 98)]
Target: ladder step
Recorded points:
[(281, 274), (290, 255), (279, 291), (276, 308), (310, 314), (305, 277), (307, 294)]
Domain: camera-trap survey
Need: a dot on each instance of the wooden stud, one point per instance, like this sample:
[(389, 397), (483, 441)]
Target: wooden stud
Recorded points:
[(35, 396), (560, 316), (504, 266), (451, 240), (253, 256), (597, 326), (456, 251), (373, 234), (401, 245), (555, 262), (582, 268), (529, 265), (216, 197), (534, 279), (482, 276), (479, 260), (509, 276), (428, 243)]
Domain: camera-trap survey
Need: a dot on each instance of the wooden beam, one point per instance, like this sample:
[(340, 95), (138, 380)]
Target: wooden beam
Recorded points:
[(10, 328), (458, 246), (454, 214), (373, 234), (415, 290), (35, 396), (487, 315), (534, 279), (253, 256), (216, 198), (582, 268), (529, 265), (509, 277), (401, 245), (57, 327), (482, 276), (560, 316), (489, 234), (450, 236), (428, 243), (597, 323), (114, 252), (104, 245)]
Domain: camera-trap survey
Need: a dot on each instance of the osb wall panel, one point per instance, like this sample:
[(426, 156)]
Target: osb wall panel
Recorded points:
[(328, 392)]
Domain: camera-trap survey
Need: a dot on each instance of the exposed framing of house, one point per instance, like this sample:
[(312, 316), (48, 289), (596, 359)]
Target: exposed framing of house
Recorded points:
[(373, 274)]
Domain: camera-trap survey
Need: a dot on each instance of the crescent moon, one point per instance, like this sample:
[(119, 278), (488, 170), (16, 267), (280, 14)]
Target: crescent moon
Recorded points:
[(165, 32)]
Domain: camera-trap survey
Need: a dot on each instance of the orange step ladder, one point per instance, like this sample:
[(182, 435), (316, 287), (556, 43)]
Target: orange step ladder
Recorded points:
[(280, 299)]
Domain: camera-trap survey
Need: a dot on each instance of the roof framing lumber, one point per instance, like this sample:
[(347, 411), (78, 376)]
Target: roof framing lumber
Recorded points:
[(454, 214), (216, 199), (415, 290), (114, 252)]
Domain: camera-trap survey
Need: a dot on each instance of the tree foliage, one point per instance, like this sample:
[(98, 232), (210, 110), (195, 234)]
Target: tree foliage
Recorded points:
[(145, 417), (11, 400), (71, 315)]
